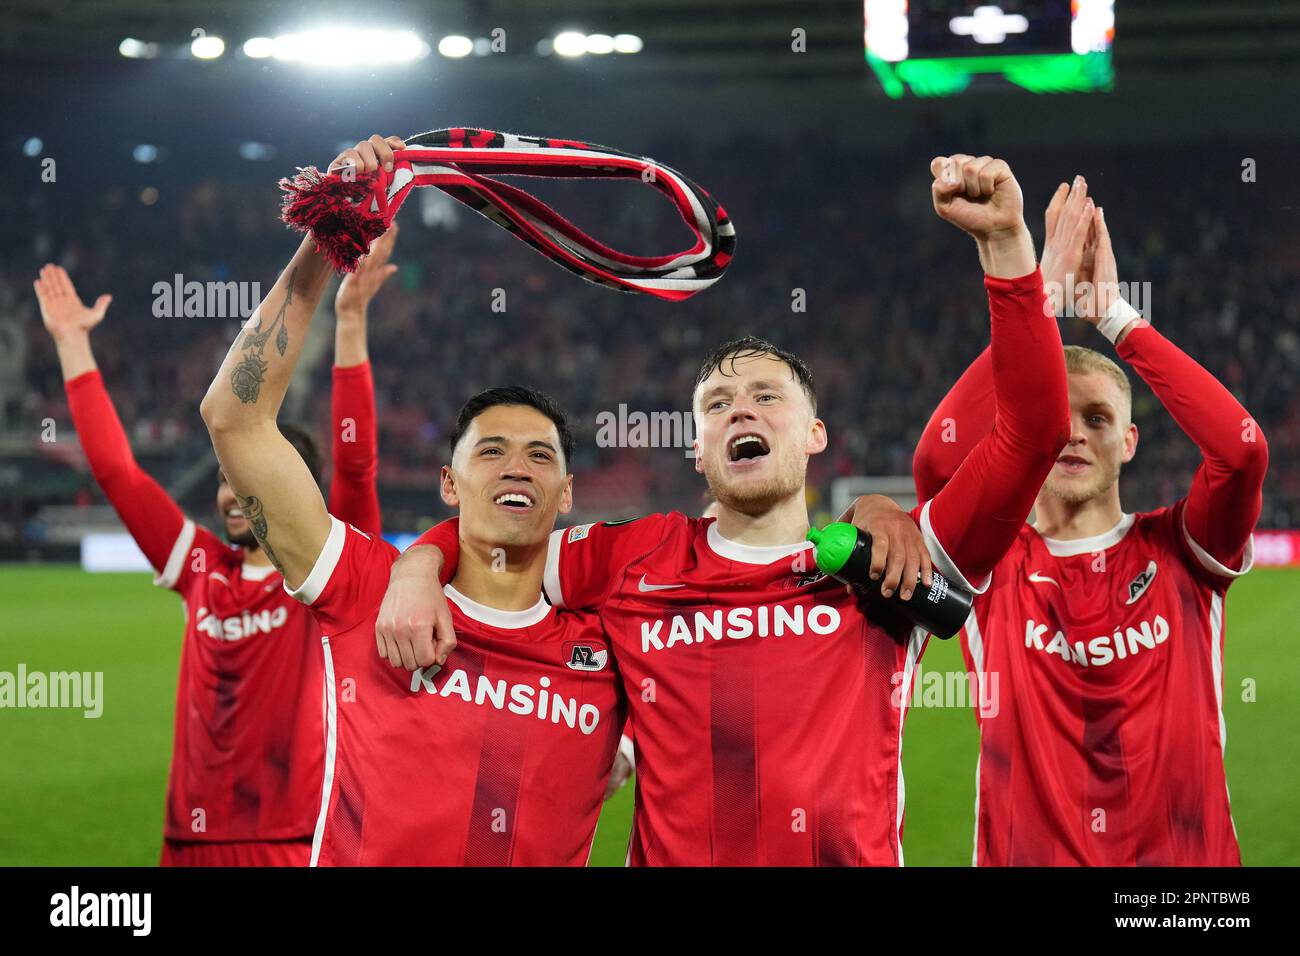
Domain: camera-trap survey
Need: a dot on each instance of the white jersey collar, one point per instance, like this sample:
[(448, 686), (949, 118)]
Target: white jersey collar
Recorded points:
[(494, 617), (255, 572), (749, 553), (1098, 542)]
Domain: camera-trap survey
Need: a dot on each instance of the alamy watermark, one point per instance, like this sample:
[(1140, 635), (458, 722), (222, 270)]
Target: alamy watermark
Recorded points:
[(205, 300), (69, 690), (636, 429), (1062, 298)]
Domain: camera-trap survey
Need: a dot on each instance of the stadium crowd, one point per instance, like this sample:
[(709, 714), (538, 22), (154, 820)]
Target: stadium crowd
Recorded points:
[(849, 270)]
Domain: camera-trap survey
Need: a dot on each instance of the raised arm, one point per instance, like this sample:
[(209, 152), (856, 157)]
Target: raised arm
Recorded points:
[(1226, 495), (354, 497), (273, 484), (154, 520), (978, 514), (966, 414)]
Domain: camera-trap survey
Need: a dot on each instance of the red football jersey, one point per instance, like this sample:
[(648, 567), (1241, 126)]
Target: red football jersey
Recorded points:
[(498, 758), (1101, 717), (768, 699), (247, 757)]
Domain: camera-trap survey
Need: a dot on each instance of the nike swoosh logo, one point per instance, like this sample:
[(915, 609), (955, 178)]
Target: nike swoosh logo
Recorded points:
[(1042, 579), (643, 586)]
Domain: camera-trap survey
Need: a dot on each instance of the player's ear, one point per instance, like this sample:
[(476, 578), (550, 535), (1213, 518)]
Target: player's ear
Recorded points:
[(817, 440), (447, 486), (1130, 443), (695, 449), (566, 496)]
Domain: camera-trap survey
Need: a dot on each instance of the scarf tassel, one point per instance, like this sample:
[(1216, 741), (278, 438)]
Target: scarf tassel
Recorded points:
[(331, 209)]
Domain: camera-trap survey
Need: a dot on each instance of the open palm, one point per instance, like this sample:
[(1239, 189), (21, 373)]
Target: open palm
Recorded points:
[(61, 310)]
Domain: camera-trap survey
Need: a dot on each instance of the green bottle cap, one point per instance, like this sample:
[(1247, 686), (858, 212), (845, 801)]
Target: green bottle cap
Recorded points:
[(832, 545)]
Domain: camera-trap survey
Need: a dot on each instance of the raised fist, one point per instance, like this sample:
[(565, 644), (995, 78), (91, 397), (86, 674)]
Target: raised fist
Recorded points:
[(977, 195)]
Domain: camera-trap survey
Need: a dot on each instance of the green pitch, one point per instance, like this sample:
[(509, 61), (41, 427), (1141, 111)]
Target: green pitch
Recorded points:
[(78, 791)]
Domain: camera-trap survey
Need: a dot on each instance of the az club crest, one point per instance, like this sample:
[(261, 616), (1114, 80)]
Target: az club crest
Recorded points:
[(583, 656), (1138, 586)]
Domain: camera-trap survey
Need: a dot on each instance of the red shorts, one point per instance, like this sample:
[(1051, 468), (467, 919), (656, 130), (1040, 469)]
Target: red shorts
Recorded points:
[(249, 853)]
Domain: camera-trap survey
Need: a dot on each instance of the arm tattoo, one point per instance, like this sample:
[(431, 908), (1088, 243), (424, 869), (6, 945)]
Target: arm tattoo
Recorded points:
[(246, 378), (256, 515)]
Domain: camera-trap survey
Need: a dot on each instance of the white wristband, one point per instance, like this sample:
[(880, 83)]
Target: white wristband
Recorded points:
[(1117, 319)]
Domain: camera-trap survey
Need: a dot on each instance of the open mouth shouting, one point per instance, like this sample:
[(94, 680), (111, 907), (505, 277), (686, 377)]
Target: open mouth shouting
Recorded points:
[(515, 501), (747, 448)]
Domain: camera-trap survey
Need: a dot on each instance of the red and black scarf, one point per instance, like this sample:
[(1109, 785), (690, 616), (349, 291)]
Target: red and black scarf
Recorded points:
[(345, 215)]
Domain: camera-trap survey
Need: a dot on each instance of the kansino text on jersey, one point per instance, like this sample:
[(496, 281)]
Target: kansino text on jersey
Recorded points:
[(1099, 651), (738, 623), (524, 699)]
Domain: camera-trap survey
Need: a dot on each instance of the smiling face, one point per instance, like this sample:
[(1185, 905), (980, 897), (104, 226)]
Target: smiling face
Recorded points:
[(755, 429), (1102, 440), (238, 530), (508, 477)]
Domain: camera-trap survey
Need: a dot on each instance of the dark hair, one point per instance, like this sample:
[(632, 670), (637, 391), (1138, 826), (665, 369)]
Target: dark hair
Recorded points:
[(514, 395), (305, 445), (749, 347)]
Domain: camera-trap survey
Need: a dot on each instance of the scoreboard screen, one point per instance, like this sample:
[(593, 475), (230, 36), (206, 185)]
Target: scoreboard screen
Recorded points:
[(945, 47)]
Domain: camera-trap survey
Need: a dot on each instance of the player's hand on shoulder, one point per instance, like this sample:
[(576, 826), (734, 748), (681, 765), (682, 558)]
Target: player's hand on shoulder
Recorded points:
[(977, 194), (414, 627), (369, 154), (61, 310), (898, 552)]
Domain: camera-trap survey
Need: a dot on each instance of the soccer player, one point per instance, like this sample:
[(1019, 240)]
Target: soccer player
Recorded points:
[(765, 695), (498, 753), (1105, 628), (246, 769)]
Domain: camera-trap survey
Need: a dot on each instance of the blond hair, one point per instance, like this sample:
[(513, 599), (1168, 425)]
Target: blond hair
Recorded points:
[(1084, 361)]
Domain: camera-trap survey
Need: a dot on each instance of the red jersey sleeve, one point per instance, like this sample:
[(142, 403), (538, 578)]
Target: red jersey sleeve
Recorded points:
[(445, 536), (976, 516), (1226, 495), (348, 580), (585, 563), (174, 545), (354, 496), (963, 417)]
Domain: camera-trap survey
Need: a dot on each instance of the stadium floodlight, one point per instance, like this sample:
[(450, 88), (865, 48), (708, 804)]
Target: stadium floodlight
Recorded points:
[(627, 43), (137, 49), (256, 151), (570, 43), (343, 46), (259, 48), (600, 44), (455, 47), (33, 146), (207, 48), (144, 153)]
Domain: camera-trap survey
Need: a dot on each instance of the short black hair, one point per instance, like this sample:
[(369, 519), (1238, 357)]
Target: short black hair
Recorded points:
[(305, 445), (750, 346), (514, 395)]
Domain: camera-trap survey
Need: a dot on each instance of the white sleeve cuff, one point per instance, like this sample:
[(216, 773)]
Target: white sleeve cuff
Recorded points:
[(323, 569), (171, 571), (551, 576), (1211, 564), (941, 561), (625, 748)]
